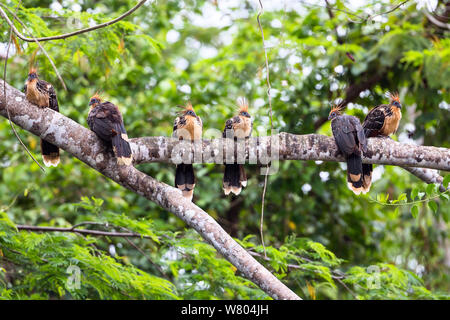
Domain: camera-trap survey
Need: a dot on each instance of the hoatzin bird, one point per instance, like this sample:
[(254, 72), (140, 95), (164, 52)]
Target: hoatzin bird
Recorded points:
[(238, 127), (382, 120), (106, 121), (42, 94), (350, 140), (187, 126)]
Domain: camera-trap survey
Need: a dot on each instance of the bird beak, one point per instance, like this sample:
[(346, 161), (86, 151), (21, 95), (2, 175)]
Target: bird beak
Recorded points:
[(91, 103)]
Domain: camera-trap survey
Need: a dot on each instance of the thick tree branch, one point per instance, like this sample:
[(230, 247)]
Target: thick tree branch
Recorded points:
[(428, 175), (83, 144), (287, 146)]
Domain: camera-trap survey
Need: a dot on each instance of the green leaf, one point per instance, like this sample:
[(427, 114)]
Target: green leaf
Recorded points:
[(402, 197), (444, 196), (446, 181), (431, 189), (396, 212), (433, 205), (414, 211), (414, 193)]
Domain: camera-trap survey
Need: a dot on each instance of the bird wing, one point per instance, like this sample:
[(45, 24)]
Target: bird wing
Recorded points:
[(199, 122), (52, 101), (361, 139), (374, 120), (106, 121), (229, 125), (47, 89), (179, 123), (343, 135)]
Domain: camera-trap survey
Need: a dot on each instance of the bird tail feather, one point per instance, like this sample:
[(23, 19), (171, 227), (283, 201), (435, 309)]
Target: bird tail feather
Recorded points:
[(185, 180), (122, 149), (355, 174), (234, 178), (50, 153), (367, 169)]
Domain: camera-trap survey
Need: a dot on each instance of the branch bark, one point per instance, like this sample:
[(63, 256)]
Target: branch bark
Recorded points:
[(84, 145), (287, 146)]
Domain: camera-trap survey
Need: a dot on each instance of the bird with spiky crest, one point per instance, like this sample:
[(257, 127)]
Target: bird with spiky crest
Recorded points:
[(383, 120), (351, 142), (106, 121), (42, 94), (187, 126), (238, 127)]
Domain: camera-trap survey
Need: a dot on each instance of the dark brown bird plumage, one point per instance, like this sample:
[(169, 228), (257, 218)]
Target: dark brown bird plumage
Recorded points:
[(106, 121), (351, 142), (238, 127), (42, 94)]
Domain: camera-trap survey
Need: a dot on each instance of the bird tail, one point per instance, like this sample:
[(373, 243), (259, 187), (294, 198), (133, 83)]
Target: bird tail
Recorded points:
[(355, 174), (50, 153), (367, 169), (122, 149), (234, 178), (185, 180)]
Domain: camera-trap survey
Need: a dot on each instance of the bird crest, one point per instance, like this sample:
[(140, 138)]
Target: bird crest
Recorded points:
[(242, 104), (393, 96), (336, 108), (188, 106), (33, 70), (97, 96), (95, 99), (186, 109)]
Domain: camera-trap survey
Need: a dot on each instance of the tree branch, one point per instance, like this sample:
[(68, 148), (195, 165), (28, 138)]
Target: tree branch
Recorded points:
[(436, 21), (428, 175), (70, 34), (39, 44), (287, 146), (84, 145), (81, 231)]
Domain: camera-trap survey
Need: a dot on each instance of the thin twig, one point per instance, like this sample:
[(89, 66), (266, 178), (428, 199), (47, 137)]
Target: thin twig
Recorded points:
[(87, 223), (387, 12), (348, 289), (6, 100), (81, 231), (70, 34), (157, 267), (290, 266), (40, 46), (271, 122), (408, 203)]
